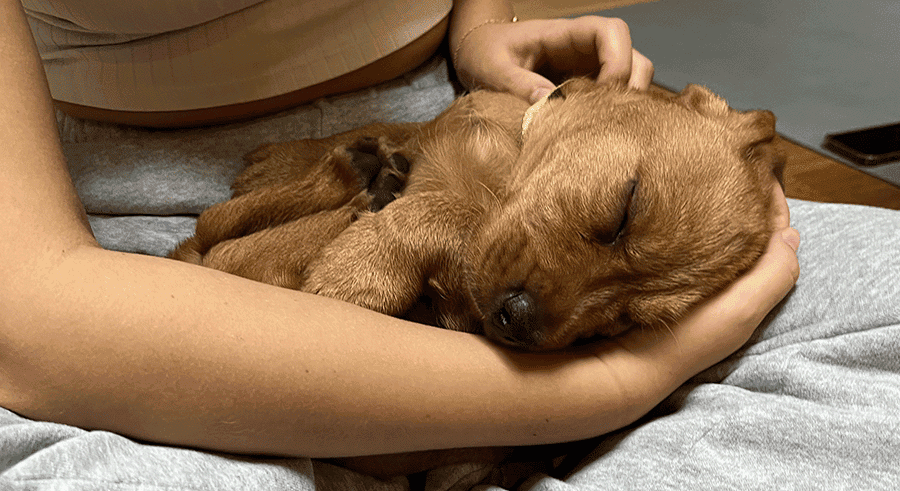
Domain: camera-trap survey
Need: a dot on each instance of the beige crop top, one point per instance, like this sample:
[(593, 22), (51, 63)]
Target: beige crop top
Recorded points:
[(171, 55)]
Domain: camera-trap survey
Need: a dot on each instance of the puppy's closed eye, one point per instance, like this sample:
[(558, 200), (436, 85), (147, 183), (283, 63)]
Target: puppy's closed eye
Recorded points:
[(610, 231)]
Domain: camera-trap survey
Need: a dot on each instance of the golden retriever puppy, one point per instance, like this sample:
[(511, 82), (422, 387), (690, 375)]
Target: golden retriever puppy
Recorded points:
[(594, 211)]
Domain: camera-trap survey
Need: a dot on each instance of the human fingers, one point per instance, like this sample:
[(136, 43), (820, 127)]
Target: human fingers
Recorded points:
[(641, 71), (726, 321), (781, 214), (527, 84), (532, 86), (502, 57), (583, 45), (745, 303), (612, 41), (721, 325), (770, 279)]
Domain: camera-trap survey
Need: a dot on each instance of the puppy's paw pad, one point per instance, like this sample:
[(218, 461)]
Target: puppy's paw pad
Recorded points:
[(380, 166), (385, 188), (365, 159), (399, 163)]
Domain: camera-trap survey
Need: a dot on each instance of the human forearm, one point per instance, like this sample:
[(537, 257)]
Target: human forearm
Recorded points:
[(174, 353), (31, 160), (170, 352)]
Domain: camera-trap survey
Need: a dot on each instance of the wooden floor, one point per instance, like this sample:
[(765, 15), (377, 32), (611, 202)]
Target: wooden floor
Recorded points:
[(808, 175)]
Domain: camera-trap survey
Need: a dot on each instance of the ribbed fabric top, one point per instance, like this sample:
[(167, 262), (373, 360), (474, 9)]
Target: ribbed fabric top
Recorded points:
[(169, 55)]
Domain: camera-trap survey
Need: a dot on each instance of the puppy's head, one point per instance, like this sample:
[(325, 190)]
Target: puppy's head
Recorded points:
[(628, 209)]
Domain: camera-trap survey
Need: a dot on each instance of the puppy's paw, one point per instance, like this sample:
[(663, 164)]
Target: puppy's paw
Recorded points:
[(357, 280), (366, 265), (386, 187), (381, 166)]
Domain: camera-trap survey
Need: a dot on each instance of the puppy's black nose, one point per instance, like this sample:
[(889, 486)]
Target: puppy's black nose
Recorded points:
[(514, 321)]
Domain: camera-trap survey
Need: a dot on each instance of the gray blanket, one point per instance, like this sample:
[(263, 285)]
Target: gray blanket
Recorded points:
[(812, 402), (143, 188)]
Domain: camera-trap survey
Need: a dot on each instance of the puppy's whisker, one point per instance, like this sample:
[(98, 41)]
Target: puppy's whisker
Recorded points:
[(497, 201), (672, 333)]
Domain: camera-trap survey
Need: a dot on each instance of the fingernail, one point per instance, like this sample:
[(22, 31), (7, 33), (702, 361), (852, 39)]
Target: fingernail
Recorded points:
[(539, 93), (792, 238)]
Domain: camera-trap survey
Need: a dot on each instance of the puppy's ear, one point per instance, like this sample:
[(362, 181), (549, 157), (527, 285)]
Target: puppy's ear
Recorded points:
[(756, 137), (702, 100), (759, 141)]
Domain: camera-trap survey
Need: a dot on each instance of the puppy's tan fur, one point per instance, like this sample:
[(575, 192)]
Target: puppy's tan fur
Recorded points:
[(614, 209)]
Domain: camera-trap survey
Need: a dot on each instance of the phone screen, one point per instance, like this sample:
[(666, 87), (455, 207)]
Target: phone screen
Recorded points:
[(867, 146)]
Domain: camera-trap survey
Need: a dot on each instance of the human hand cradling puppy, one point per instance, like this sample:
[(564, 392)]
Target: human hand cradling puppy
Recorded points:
[(631, 373), (658, 362)]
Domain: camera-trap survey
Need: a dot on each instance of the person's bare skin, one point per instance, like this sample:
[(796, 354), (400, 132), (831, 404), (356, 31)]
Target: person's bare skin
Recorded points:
[(135, 345)]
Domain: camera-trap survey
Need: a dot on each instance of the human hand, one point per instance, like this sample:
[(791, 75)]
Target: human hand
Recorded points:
[(506, 56), (721, 325), (603, 386)]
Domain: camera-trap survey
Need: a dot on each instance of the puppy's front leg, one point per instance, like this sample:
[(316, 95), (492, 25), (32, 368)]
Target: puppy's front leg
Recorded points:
[(384, 260), (368, 163), (279, 255)]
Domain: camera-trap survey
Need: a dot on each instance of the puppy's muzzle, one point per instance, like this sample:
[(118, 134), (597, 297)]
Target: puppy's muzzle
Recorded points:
[(514, 320)]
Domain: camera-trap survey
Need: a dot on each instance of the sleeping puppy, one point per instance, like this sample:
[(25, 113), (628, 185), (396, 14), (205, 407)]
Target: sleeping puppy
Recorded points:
[(597, 210)]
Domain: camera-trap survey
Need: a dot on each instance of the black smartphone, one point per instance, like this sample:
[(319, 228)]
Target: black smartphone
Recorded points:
[(867, 146)]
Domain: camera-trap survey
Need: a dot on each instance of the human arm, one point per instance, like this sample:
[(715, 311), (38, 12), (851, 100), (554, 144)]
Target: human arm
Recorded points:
[(173, 353), (490, 51)]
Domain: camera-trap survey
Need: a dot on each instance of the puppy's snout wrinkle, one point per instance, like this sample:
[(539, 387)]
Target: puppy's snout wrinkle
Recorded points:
[(514, 320)]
